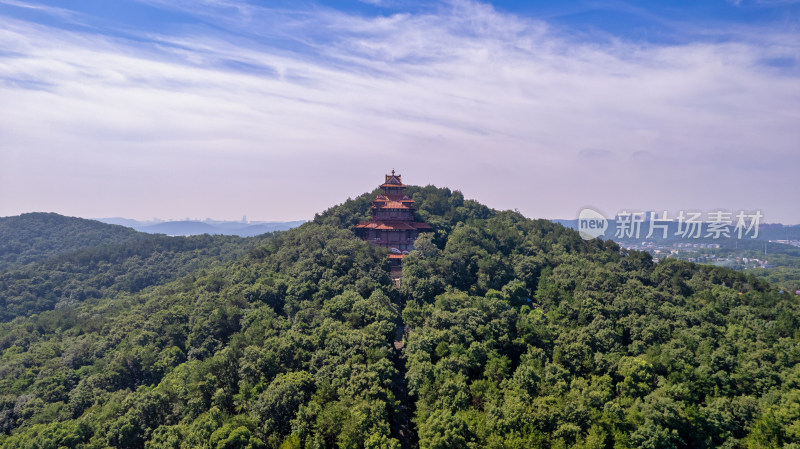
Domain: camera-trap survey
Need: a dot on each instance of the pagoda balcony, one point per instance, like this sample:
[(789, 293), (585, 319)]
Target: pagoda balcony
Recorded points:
[(382, 242)]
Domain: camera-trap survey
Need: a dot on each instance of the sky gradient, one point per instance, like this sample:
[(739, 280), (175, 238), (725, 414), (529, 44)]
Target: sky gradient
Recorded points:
[(277, 110)]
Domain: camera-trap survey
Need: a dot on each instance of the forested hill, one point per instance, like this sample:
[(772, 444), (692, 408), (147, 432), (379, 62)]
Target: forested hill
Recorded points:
[(37, 236), (51, 261), (518, 334)]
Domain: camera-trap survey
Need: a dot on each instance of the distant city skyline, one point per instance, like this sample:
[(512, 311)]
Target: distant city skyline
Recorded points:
[(279, 110)]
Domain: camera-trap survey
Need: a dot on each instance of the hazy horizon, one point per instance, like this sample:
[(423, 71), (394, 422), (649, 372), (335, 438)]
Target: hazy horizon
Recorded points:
[(156, 220), (152, 108)]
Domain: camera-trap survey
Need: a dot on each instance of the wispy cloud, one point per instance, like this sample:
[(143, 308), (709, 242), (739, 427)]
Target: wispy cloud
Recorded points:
[(255, 106), (53, 10)]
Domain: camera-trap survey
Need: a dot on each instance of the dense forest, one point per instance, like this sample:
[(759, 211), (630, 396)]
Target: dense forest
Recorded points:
[(39, 236), (50, 261), (512, 333)]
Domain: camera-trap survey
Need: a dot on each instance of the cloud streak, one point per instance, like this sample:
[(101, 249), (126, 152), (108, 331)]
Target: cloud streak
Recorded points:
[(277, 113)]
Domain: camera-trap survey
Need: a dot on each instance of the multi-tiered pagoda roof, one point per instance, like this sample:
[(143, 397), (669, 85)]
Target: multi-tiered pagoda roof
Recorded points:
[(392, 224)]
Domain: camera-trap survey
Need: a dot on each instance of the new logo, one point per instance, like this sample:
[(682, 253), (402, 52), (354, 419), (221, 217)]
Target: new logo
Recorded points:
[(591, 224)]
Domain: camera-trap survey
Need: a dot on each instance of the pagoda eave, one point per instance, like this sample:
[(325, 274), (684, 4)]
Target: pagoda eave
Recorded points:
[(392, 205), (392, 226)]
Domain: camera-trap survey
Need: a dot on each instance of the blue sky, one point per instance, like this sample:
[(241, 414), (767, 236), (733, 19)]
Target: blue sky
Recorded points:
[(277, 110)]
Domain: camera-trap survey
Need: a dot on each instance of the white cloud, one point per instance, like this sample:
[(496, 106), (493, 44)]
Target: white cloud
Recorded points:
[(60, 12), (202, 122)]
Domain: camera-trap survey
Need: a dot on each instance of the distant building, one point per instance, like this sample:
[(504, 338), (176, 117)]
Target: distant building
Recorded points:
[(392, 224)]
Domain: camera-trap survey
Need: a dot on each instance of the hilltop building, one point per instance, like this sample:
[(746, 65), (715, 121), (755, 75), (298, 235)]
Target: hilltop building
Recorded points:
[(392, 224)]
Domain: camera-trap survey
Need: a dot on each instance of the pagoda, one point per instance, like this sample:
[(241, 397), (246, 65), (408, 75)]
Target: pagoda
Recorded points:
[(392, 224)]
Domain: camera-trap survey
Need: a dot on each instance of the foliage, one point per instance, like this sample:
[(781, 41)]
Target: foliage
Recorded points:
[(519, 334), (103, 269), (226, 357), (38, 236)]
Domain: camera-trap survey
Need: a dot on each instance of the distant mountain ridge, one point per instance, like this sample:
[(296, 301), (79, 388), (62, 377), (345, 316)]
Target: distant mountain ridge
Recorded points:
[(211, 227)]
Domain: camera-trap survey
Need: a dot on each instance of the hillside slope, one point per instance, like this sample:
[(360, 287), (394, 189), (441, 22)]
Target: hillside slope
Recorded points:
[(72, 259), (37, 236), (518, 334)]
